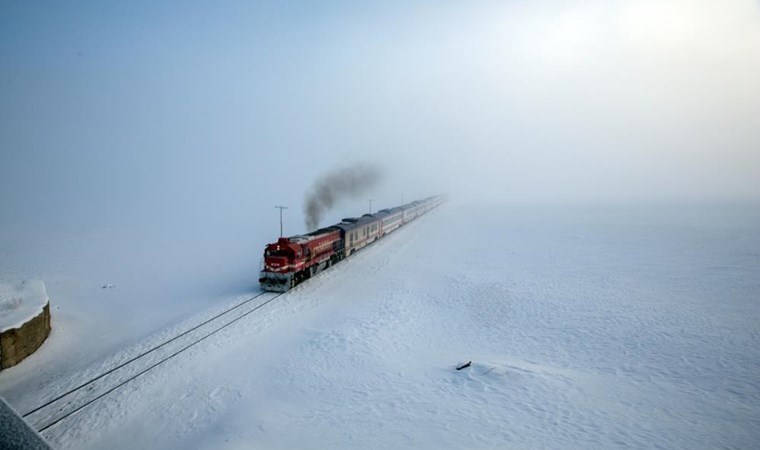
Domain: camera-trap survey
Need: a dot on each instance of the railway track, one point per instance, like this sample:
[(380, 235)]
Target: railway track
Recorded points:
[(65, 405)]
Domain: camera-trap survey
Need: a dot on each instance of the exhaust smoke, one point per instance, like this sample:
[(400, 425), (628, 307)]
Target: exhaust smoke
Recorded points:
[(331, 188)]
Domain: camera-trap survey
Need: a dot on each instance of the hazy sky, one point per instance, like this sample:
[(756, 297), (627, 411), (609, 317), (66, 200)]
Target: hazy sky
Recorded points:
[(114, 111)]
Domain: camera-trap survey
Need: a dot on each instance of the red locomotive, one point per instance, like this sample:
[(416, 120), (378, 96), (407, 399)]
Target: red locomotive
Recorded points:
[(291, 260)]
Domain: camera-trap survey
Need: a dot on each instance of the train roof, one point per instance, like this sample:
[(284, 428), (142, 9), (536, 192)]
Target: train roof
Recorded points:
[(346, 226), (372, 217), (390, 211), (303, 238), (350, 223), (368, 218), (411, 205)]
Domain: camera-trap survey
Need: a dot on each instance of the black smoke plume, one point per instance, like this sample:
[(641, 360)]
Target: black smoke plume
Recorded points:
[(331, 188)]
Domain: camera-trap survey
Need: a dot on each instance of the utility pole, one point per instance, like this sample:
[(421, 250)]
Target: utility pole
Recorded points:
[(370, 205), (281, 208)]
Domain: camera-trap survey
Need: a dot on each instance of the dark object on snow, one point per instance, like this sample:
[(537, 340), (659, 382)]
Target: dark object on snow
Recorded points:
[(15, 433), (464, 366)]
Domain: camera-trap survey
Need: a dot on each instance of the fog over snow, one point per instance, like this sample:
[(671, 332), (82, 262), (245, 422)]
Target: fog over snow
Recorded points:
[(144, 147), (116, 114)]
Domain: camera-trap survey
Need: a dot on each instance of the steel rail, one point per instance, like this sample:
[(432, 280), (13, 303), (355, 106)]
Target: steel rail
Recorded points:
[(98, 397), (135, 358)]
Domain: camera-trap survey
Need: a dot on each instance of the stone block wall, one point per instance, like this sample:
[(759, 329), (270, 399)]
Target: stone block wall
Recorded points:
[(18, 343)]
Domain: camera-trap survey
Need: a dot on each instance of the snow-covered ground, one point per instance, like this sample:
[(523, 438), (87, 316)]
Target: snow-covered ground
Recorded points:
[(21, 302), (159, 276), (587, 327)]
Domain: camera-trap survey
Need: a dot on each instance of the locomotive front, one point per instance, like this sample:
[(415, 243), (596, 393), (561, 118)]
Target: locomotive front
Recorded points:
[(279, 265), (292, 260)]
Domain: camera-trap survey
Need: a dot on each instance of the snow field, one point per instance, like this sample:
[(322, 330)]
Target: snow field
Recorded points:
[(586, 328)]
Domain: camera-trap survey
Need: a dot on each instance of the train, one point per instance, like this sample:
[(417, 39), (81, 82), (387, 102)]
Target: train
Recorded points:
[(293, 260)]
